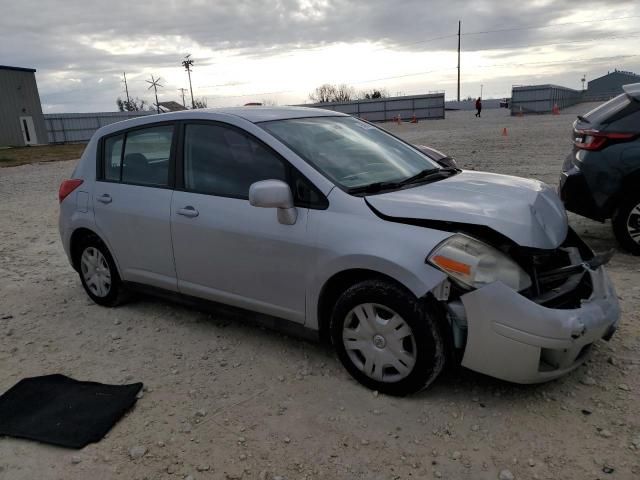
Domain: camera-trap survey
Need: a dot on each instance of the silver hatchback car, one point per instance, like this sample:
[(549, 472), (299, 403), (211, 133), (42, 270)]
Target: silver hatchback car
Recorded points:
[(322, 221)]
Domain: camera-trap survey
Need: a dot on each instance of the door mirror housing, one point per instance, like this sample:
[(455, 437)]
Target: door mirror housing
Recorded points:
[(274, 194)]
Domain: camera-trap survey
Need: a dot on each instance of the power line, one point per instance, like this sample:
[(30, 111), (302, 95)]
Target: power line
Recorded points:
[(549, 25), (579, 60), (557, 43), (509, 29)]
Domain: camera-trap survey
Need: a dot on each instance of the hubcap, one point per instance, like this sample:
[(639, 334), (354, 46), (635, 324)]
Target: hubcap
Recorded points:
[(379, 342), (95, 272), (633, 224)]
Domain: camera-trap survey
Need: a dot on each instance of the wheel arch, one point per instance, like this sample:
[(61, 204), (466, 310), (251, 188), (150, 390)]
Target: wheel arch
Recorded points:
[(630, 182), (341, 281), (75, 241)]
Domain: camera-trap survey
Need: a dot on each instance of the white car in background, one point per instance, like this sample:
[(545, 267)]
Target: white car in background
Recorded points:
[(328, 223)]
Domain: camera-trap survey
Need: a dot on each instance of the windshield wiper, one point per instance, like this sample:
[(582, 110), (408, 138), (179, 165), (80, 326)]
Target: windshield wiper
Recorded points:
[(374, 187), (427, 173), (418, 177)]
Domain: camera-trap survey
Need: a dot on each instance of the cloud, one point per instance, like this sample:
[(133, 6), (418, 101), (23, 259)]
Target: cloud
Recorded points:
[(74, 43)]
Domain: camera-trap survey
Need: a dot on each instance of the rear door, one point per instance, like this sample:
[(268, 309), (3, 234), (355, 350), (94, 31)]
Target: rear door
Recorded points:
[(225, 249), (132, 202)]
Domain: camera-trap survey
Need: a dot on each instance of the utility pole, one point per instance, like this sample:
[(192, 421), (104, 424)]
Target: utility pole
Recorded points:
[(155, 83), (126, 88), (481, 90), (459, 24), (187, 63), (182, 90)]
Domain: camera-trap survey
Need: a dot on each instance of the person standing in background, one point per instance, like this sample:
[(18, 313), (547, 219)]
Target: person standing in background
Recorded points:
[(478, 106)]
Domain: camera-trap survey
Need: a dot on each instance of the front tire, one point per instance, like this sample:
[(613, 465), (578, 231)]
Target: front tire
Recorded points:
[(98, 273), (626, 223), (385, 338)]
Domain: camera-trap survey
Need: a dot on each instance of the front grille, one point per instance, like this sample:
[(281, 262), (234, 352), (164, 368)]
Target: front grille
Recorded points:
[(558, 277)]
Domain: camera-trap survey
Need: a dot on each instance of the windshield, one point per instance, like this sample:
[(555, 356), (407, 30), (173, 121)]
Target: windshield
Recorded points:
[(349, 151)]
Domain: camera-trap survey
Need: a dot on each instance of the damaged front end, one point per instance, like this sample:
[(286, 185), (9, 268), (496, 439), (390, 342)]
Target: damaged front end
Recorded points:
[(544, 330)]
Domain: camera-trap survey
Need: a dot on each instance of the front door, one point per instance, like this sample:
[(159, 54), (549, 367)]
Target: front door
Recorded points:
[(226, 250), (28, 131), (132, 204)]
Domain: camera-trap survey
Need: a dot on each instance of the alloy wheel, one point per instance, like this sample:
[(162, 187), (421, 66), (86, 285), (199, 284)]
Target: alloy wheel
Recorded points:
[(633, 224)]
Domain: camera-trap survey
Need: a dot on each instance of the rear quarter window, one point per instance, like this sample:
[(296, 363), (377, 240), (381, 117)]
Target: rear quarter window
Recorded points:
[(113, 157), (610, 111), (628, 120)]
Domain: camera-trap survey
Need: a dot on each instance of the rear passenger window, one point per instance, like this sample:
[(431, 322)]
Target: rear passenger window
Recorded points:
[(145, 160), (146, 156), (223, 161)]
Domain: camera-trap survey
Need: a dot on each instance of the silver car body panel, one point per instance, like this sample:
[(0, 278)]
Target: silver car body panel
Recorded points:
[(241, 255), (135, 226), (528, 212), (257, 263)]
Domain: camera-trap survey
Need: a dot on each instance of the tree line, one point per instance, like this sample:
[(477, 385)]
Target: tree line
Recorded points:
[(328, 92), (135, 104)]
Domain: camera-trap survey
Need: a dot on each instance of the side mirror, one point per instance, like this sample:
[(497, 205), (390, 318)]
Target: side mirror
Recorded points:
[(442, 159), (274, 194)]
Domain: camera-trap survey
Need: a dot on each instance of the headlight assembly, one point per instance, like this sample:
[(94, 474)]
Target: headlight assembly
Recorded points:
[(474, 264)]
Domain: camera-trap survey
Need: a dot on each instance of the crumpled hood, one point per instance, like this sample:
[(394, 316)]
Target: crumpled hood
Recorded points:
[(527, 211)]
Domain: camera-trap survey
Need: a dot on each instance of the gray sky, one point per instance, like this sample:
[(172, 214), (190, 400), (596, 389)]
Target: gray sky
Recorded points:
[(248, 50)]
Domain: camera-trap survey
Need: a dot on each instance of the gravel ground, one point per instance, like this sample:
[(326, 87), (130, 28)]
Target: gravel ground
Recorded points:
[(226, 400)]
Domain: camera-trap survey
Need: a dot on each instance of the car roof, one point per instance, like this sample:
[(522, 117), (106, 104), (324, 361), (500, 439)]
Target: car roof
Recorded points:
[(251, 114), (633, 90), (257, 114)]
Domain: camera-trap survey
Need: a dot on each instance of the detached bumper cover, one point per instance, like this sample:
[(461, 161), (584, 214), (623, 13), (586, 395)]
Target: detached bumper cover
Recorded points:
[(515, 339)]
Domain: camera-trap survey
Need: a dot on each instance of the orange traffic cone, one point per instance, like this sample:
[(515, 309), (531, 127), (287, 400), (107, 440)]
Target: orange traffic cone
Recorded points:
[(504, 132), (414, 119), (555, 110)]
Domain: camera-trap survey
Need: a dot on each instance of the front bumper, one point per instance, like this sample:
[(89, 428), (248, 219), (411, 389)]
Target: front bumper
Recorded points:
[(515, 339)]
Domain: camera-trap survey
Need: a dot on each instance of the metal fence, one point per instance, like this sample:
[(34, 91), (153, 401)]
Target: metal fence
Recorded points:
[(542, 98), (424, 107), (487, 104), (79, 127)]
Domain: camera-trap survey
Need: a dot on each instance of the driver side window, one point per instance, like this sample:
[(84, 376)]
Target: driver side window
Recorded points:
[(224, 161)]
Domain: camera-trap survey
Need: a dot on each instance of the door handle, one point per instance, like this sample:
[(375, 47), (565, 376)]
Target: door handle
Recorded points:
[(188, 211), (105, 198)]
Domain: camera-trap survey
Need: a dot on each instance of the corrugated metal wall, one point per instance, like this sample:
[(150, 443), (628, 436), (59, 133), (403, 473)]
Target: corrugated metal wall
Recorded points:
[(19, 98), (542, 98), (79, 127), (430, 106), (611, 83)]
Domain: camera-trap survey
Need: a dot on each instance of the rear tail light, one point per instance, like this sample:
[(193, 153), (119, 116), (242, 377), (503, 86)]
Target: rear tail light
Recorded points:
[(596, 140), (68, 186)]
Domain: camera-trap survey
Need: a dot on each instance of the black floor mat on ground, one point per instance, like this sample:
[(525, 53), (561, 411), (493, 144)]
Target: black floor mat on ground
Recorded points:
[(62, 411)]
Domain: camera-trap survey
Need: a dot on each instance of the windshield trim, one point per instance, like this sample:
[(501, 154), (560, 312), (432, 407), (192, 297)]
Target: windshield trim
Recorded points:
[(398, 186)]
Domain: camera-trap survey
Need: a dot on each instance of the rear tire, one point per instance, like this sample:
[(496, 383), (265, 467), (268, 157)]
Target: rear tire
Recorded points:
[(385, 338), (626, 223), (98, 272)]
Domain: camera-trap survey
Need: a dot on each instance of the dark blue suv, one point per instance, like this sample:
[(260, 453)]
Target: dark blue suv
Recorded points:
[(601, 176)]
